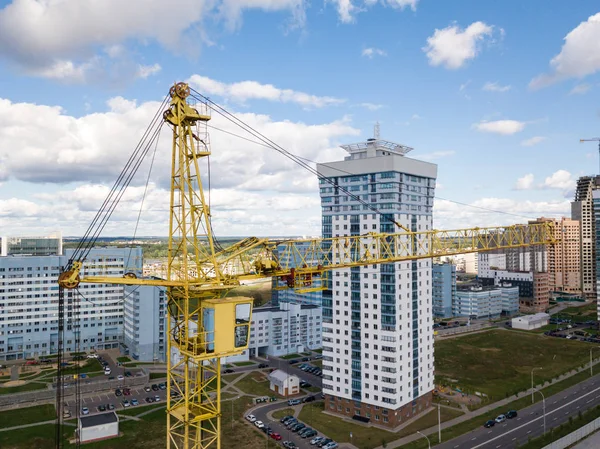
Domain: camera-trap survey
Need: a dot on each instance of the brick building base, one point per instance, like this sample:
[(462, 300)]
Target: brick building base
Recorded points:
[(381, 416)]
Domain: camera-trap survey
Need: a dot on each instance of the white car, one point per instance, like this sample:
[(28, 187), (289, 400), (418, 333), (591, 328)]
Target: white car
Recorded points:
[(92, 356), (251, 418), (119, 377), (316, 440), (259, 424), (332, 445), (500, 418), (107, 371), (85, 411)]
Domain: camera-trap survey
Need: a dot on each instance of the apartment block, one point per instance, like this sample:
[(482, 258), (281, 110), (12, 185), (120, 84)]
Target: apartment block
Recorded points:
[(444, 289), (144, 321), (378, 358), (29, 303), (486, 301), (289, 328), (564, 257), (51, 245), (582, 210)]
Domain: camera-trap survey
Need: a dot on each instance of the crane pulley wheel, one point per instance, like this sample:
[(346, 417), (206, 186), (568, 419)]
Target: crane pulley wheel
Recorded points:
[(65, 280), (182, 90)]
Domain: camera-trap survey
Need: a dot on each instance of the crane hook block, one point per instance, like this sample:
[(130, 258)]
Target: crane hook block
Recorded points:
[(69, 279)]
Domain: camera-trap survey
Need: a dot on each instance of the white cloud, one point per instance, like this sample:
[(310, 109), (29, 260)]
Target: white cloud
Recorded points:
[(144, 71), (59, 39), (524, 183), (437, 155), (452, 47), (532, 141), (252, 90), (495, 87), (580, 89), (579, 56), (449, 215), (505, 127), (347, 9), (560, 179), (416, 117), (371, 51), (463, 86), (371, 106), (77, 157)]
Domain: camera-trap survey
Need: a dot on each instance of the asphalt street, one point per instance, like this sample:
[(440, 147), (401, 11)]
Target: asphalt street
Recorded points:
[(530, 421)]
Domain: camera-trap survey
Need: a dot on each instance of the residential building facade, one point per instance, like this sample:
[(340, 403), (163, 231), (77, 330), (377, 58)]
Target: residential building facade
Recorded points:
[(377, 319), (51, 245), (444, 289), (144, 321), (582, 210), (29, 303)]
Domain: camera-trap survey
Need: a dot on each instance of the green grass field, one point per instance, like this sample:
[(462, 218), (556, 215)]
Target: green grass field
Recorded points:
[(28, 415), (499, 363), (21, 388), (256, 384)]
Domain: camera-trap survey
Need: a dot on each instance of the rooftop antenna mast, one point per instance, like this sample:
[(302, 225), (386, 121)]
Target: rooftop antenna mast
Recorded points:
[(376, 131), (594, 139)]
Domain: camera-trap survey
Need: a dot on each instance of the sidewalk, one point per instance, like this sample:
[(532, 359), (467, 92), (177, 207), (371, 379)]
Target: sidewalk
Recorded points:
[(480, 411)]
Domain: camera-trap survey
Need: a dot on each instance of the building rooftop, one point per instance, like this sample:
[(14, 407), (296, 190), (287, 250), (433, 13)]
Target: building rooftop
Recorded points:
[(98, 420), (378, 144), (534, 317), (281, 375)]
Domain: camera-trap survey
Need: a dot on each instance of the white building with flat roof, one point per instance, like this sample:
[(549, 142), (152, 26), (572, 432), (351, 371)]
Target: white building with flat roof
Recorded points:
[(529, 322)]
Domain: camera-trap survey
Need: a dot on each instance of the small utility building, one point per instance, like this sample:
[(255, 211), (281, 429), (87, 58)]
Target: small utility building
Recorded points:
[(98, 427), (529, 322), (283, 383)]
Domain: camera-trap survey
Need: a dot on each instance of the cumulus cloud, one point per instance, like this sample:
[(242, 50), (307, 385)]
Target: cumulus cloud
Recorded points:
[(452, 46), (532, 141), (495, 87), (579, 56), (524, 183), (347, 9), (371, 51), (449, 215), (80, 156), (45, 40), (504, 127), (580, 89), (253, 90), (560, 179)]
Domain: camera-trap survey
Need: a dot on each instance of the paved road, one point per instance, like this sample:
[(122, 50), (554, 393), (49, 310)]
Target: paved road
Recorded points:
[(530, 422)]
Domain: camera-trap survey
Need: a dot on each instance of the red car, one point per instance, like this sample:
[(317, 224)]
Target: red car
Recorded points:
[(126, 391), (276, 436)]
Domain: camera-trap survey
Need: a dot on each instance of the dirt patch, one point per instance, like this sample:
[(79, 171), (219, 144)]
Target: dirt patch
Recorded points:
[(490, 349), (14, 383)]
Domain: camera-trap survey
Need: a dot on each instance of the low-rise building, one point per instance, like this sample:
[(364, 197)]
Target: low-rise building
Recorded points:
[(477, 301), (529, 322), (283, 383), (98, 427)]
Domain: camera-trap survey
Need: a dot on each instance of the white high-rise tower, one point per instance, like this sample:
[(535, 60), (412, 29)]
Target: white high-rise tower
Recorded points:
[(377, 319)]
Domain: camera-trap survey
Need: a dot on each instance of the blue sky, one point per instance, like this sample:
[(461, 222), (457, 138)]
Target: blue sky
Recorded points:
[(498, 94)]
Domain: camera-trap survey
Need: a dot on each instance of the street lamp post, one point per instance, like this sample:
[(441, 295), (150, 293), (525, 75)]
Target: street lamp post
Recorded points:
[(532, 370), (591, 349), (425, 436), (543, 408), (439, 424)]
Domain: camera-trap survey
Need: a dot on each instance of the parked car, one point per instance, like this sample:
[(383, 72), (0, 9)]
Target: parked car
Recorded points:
[(289, 445), (285, 418), (294, 402), (276, 436), (259, 424), (91, 356), (263, 365), (308, 399), (316, 440), (162, 386), (32, 362), (157, 398), (155, 387), (324, 442), (293, 362), (119, 377), (110, 406), (66, 414), (147, 389), (228, 371), (149, 399), (126, 391), (306, 359), (102, 408), (489, 423), (118, 392), (331, 445), (126, 403), (511, 414), (251, 418), (85, 411), (134, 401), (500, 418)]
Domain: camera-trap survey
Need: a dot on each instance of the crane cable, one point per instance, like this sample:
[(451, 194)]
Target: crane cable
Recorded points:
[(120, 185), (269, 143)]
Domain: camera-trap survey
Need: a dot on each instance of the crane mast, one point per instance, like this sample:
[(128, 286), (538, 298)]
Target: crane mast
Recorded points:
[(203, 323)]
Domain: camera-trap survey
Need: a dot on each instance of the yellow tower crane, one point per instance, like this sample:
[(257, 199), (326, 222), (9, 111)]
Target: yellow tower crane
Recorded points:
[(203, 323)]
